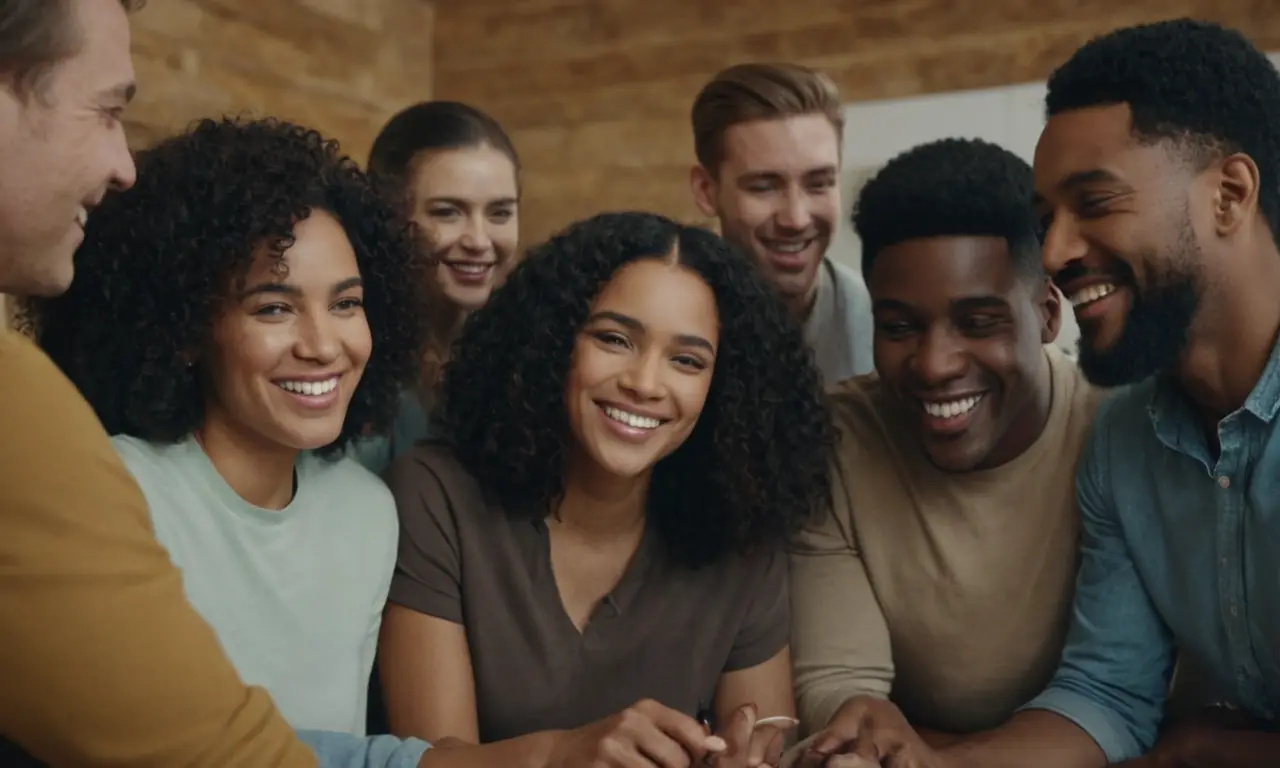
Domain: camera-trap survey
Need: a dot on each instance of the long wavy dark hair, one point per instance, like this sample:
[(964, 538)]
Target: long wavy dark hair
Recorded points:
[(755, 466)]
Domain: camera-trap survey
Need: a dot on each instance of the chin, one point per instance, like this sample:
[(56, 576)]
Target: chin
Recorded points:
[(955, 459)]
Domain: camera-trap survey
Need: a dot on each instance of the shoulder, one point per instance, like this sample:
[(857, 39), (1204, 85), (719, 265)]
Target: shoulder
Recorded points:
[(355, 498), (859, 410), (140, 455), (429, 480)]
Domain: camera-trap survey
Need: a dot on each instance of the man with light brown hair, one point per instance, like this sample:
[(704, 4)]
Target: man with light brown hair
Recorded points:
[(767, 138)]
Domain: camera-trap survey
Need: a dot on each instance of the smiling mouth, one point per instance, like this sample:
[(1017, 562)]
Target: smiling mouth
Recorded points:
[(1091, 293), (309, 388), (951, 409), (633, 420), (470, 267)]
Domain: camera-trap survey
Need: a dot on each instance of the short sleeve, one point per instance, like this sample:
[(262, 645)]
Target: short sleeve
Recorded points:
[(766, 626), (428, 575)]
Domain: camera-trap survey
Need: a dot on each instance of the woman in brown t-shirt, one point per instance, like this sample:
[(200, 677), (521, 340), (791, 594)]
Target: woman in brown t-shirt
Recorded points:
[(635, 426)]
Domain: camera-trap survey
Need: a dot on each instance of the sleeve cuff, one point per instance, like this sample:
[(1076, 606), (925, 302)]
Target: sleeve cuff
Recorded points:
[(1117, 743), (416, 596), (342, 750)]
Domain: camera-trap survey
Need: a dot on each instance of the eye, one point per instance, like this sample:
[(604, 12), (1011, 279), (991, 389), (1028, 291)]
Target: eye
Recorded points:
[(690, 361), (894, 329), (272, 310), (501, 216), (1093, 206), (611, 338), (980, 324), (349, 304), (444, 212)]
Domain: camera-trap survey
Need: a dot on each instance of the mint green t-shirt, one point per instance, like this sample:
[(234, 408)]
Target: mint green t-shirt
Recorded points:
[(294, 595)]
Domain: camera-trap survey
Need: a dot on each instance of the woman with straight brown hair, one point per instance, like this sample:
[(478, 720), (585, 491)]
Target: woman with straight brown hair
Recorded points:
[(457, 174)]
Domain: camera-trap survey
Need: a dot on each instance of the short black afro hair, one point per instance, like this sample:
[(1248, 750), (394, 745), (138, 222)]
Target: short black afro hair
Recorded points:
[(158, 261), (950, 188), (1193, 82), (756, 465)]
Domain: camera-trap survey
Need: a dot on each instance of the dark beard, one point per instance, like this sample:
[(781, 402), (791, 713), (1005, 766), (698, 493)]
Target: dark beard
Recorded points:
[(1154, 334), (1159, 320)]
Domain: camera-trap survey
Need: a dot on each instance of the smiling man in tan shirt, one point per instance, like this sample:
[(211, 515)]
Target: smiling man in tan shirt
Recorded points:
[(942, 579)]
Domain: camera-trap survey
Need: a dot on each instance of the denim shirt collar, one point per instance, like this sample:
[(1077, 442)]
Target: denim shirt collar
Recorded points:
[(1174, 418)]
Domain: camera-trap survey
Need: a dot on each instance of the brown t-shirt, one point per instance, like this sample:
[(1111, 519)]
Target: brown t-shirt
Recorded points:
[(666, 632), (950, 593)]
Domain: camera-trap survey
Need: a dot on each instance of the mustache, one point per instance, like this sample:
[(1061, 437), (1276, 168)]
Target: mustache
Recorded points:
[(1116, 270)]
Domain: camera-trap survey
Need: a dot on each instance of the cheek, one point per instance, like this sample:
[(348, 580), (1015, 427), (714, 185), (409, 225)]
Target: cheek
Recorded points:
[(825, 209), (691, 395), (357, 339), (245, 353), (441, 234), (505, 237)]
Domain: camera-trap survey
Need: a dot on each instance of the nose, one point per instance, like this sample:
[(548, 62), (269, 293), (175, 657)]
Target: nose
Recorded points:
[(939, 358), (794, 213), (642, 378), (123, 171), (475, 237), (317, 339), (1062, 245)]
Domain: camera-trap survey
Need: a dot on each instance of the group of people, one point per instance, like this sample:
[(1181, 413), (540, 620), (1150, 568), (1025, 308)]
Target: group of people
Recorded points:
[(308, 464)]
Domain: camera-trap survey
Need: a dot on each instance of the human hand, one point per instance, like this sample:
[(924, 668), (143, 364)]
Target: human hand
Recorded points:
[(865, 733), (752, 742), (644, 735)]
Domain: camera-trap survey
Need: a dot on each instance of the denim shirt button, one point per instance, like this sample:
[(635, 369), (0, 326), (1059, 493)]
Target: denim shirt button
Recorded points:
[(1224, 482)]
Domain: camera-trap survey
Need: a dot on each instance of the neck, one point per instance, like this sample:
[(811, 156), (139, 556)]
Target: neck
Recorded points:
[(599, 505), (1233, 336), (802, 306), (259, 472)]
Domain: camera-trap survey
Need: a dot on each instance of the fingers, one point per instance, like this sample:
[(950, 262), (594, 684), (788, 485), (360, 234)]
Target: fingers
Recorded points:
[(843, 728), (678, 731), (766, 746)]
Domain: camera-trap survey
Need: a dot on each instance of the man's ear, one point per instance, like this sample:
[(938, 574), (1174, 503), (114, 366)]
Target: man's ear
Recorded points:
[(703, 186)]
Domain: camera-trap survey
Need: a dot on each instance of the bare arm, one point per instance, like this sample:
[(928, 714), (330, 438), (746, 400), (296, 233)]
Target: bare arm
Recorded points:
[(427, 677), (1033, 737), (104, 661), (767, 686)]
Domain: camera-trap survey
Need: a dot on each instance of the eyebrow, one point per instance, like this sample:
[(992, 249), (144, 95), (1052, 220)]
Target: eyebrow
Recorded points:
[(966, 303), (626, 321), (461, 203), (289, 289), (1080, 179)]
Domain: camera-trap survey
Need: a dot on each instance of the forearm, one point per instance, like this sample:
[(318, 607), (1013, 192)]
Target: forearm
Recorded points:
[(1033, 737), (531, 751)]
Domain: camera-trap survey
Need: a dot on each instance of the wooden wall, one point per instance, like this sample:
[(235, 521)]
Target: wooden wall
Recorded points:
[(597, 92), (340, 66)]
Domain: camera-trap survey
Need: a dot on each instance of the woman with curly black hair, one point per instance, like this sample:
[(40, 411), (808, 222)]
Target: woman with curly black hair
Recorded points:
[(636, 425), (236, 318)]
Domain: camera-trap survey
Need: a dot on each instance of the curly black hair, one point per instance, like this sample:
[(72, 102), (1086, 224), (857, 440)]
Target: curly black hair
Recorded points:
[(756, 464), (952, 187), (1196, 83), (158, 260)]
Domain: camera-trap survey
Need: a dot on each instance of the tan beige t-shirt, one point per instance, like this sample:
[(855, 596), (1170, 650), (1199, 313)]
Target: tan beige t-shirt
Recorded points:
[(950, 593)]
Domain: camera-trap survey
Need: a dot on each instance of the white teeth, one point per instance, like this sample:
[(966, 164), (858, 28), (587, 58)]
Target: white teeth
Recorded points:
[(310, 388), (952, 408), (82, 216), (1092, 293), (789, 247), (469, 268), (631, 419)]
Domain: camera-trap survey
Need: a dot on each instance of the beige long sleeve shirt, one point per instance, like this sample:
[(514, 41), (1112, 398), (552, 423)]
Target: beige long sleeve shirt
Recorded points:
[(102, 659), (949, 593)]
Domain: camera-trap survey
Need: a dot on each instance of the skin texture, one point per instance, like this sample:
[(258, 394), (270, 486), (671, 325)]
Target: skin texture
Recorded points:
[(62, 149), (777, 188), (296, 319), (466, 201), (954, 320)]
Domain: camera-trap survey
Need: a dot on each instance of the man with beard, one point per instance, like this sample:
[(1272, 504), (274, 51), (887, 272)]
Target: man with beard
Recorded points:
[(942, 577), (767, 139), (1158, 177)]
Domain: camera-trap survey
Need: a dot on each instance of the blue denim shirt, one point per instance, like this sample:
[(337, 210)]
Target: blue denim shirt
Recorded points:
[(1179, 556), (342, 750)]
